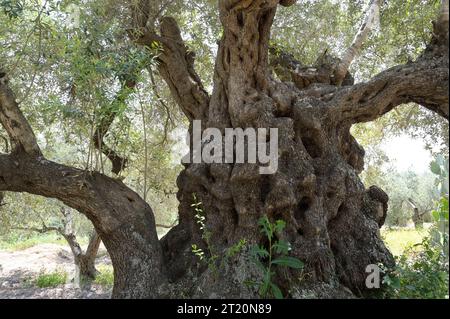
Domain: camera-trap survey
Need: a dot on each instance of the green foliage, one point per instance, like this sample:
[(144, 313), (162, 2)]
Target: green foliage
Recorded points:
[(67, 79), (442, 212), (440, 167), (105, 276), (422, 274), (399, 239), (276, 254), (403, 187), (210, 257), (51, 279), (235, 249), (12, 8), (440, 232), (422, 270)]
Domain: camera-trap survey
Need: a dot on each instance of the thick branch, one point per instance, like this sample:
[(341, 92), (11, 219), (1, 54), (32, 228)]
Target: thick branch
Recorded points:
[(19, 130), (124, 221), (424, 82), (443, 18), (288, 69), (352, 52), (176, 66), (93, 194), (439, 43)]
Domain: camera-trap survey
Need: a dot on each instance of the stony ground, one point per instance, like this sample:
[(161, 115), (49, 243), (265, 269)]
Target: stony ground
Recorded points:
[(19, 268)]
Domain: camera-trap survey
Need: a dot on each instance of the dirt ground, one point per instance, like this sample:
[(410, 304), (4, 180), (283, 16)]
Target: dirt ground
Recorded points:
[(18, 268)]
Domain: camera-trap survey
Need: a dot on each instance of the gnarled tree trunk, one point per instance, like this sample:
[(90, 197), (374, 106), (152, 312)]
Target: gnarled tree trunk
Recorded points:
[(332, 220)]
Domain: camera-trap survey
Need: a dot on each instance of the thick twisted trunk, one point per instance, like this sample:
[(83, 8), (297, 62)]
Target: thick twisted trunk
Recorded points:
[(332, 220)]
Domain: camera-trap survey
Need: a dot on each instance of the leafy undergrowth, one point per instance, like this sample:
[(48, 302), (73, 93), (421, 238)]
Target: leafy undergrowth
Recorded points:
[(105, 277), (419, 274), (422, 270), (51, 279)]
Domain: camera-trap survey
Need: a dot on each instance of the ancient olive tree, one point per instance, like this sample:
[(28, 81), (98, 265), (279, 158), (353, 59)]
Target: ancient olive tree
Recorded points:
[(332, 221)]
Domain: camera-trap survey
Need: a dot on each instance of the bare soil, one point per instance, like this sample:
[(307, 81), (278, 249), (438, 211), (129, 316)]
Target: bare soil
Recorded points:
[(18, 270)]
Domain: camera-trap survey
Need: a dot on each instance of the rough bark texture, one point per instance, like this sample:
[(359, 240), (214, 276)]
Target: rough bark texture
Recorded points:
[(332, 220)]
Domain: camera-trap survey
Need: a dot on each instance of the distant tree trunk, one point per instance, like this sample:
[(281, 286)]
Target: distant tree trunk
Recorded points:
[(418, 217), (84, 261), (91, 254)]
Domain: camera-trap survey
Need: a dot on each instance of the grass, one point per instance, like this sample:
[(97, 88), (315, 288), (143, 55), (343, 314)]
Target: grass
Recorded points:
[(105, 277), (51, 279), (22, 242), (397, 240)]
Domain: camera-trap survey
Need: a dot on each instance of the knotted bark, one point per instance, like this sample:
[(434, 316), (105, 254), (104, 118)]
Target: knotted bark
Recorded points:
[(332, 220)]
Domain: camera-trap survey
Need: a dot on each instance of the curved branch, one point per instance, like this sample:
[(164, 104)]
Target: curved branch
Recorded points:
[(44, 229), (69, 237), (124, 221), (423, 82)]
